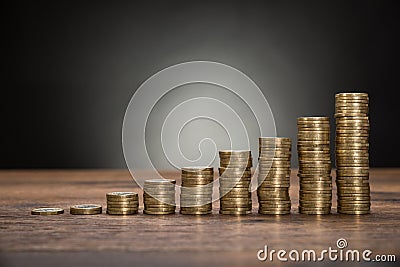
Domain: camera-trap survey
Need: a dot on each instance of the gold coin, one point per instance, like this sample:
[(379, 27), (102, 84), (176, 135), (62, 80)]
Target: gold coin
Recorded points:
[(314, 135), (275, 181), (159, 194), (361, 119), (315, 197), (197, 175), (338, 115), (348, 141), (85, 209), (307, 144), (283, 177), (236, 165), (205, 184), (237, 185), (159, 182), (351, 104), (159, 199), (195, 212), (193, 194), (352, 98), (352, 171), (354, 212), (317, 193), (47, 211), (352, 95), (235, 159), (355, 207), (234, 170), (263, 175), (122, 212), (275, 139), (159, 205), (352, 179), (311, 187), (201, 183), (197, 169), (150, 212), (164, 210), (198, 208), (352, 153), (315, 180), (274, 192), (355, 126), (234, 206), (122, 196), (235, 209), (235, 156), (351, 164), (273, 212), (351, 107), (346, 109), (235, 152), (158, 202), (193, 204), (123, 206), (319, 118), (233, 212), (283, 185), (122, 209), (234, 196), (165, 187), (303, 131)]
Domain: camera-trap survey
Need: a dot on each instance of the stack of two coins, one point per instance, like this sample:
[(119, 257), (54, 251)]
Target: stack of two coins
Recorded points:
[(274, 175), (352, 153), (234, 182), (122, 203), (314, 165), (196, 190), (159, 196)]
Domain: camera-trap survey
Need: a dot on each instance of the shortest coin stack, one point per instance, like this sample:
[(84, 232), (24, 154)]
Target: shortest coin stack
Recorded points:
[(159, 196), (85, 209), (196, 190), (47, 211), (274, 175), (122, 203)]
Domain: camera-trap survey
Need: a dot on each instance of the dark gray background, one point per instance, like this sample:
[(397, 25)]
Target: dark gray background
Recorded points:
[(71, 67)]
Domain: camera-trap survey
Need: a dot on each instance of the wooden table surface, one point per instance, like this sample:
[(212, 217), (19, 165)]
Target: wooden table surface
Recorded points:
[(174, 240)]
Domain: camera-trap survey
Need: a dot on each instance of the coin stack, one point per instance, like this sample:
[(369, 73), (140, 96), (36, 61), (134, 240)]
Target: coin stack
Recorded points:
[(352, 156), (122, 203), (274, 175), (159, 196), (234, 182), (315, 196), (196, 190)]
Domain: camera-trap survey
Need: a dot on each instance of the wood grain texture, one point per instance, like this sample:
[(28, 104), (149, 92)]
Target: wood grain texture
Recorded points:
[(213, 240)]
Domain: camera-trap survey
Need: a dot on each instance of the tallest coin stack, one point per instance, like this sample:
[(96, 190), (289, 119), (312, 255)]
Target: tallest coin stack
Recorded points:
[(352, 156)]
